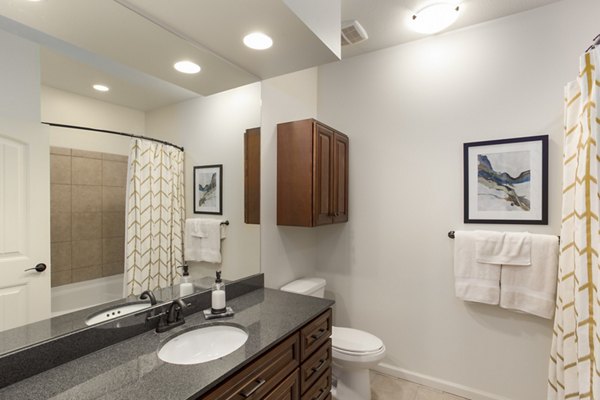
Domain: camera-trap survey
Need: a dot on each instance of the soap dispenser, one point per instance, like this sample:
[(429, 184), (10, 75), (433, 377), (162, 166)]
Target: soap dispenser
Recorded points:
[(218, 296), (186, 287)]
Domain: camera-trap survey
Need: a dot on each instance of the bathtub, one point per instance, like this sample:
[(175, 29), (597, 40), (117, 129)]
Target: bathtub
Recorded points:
[(80, 295)]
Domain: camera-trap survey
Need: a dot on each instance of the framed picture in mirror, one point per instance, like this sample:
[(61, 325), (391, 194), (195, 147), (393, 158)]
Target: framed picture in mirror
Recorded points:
[(208, 189)]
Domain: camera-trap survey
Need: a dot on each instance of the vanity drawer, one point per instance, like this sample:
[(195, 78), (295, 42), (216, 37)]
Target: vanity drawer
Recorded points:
[(264, 374), (287, 390), (314, 366), (321, 389), (314, 334)]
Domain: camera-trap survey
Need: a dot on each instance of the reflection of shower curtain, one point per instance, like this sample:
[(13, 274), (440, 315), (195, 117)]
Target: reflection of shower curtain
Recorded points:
[(575, 354), (155, 216)]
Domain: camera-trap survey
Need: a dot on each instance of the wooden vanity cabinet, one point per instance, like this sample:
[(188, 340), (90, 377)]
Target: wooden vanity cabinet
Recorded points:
[(312, 174), (298, 368)]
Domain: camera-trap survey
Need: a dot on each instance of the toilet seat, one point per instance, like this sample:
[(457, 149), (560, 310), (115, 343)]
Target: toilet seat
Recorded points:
[(354, 342), (357, 360)]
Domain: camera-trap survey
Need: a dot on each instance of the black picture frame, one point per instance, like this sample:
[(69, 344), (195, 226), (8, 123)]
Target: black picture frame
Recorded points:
[(208, 189), (501, 196)]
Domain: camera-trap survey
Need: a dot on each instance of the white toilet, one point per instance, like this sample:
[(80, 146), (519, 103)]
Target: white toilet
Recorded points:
[(353, 351)]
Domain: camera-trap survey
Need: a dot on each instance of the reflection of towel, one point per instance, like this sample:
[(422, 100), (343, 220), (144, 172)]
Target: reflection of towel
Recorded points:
[(532, 289), (194, 227), (512, 248), (474, 281), (203, 239)]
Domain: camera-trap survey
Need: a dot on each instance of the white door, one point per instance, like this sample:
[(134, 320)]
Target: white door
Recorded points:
[(24, 222)]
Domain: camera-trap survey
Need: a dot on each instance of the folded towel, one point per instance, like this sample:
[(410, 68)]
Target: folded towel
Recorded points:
[(474, 281), (512, 248), (533, 289), (194, 226), (203, 240)]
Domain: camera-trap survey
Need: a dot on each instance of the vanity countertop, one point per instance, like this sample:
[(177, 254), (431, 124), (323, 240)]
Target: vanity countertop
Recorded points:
[(132, 370)]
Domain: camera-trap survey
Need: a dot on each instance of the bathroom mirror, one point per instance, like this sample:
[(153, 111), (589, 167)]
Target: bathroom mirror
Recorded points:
[(88, 177)]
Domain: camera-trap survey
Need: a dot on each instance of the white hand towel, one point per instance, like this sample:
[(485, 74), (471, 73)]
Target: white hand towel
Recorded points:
[(474, 281), (194, 227), (206, 247), (512, 248), (533, 289)]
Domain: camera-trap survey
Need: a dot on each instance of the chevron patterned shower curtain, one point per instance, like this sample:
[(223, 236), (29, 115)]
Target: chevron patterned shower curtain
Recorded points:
[(575, 353), (155, 216)]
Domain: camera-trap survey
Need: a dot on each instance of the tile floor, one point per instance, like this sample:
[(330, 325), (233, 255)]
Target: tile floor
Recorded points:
[(384, 387)]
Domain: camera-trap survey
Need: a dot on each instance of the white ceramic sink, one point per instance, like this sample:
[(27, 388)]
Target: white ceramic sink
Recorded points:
[(115, 312), (202, 344)]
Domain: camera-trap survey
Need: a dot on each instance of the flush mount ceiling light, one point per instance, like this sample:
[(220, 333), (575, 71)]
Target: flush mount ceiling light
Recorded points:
[(434, 18), (187, 67), (101, 88), (258, 41)]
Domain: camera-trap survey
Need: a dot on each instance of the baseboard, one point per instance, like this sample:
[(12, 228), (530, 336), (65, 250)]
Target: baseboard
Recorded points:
[(440, 384)]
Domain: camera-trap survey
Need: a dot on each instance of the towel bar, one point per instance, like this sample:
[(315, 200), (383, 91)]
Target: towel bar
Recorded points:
[(451, 235)]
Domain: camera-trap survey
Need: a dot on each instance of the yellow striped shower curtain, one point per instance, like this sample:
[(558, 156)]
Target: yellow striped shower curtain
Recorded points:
[(155, 217), (575, 353)]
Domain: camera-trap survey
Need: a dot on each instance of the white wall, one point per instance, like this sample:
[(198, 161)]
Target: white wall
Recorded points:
[(287, 252), (19, 78), (408, 110), (67, 108), (211, 129)]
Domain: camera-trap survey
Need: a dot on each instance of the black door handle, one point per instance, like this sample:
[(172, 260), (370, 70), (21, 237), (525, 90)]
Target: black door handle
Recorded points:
[(41, 267)]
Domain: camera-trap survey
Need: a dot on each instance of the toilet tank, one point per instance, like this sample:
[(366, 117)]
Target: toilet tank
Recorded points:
[(309, 286)]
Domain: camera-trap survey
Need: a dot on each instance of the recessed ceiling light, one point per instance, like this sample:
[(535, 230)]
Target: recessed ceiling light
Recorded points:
[(101, 88), (187, 67), (435, 17), (258, 41)]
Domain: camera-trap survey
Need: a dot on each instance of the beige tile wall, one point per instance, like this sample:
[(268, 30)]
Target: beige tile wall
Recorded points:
[(87, 214)]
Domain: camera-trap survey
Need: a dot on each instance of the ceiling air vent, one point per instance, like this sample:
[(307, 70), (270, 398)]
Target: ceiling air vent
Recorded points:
[(353, 32)]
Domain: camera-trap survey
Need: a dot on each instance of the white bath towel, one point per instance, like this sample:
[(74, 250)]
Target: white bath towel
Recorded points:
[(533, 289), (474, 281), (203, 239), (512, 248)]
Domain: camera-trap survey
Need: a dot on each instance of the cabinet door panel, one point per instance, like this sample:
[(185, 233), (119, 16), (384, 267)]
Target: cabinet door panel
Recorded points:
[(287, 390), (340, 176), (323, 200), (314, 334), (315, 366), (321, 389)]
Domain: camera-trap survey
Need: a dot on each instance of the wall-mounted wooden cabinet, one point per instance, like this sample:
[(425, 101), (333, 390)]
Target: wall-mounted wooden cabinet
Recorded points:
[(312, 174), (252, 176)]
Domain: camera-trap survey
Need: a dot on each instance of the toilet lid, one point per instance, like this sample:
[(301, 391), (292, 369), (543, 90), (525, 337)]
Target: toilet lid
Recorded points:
[(355, 341)]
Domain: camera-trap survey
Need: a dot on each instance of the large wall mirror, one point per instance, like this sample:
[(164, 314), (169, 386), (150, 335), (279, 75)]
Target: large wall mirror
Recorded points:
[(88, 168)]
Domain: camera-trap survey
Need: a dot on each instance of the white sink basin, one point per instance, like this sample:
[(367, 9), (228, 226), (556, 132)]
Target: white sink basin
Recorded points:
[(202, 344), (115, 312)]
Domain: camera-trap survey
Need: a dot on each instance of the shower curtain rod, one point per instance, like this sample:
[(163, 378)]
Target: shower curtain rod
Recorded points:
[(596, 43), (85, 128)]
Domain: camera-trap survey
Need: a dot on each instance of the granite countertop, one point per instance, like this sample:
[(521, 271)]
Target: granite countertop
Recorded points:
[(132, 370)]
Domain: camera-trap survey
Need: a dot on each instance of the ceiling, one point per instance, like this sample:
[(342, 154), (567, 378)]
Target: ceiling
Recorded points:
[(131, 45), (386, 21)]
